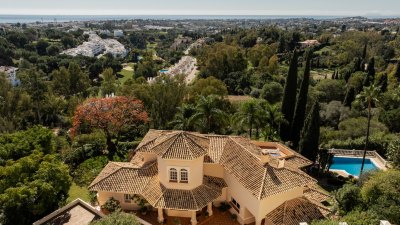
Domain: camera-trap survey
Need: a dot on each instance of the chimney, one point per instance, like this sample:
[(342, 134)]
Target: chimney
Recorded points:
[(265, 158), (281, 163)]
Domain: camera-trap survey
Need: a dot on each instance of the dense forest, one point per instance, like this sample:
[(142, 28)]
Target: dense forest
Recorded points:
[(259, 82)]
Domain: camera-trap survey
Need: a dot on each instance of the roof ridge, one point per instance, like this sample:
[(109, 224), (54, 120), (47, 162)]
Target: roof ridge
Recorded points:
[(284, 211), (195, 201), (174, 137), (195, 141), (297, 171), (162, 193), (244, 148), (108, 175), (315, 189), (319, 204), (187, 146), (263, 183)]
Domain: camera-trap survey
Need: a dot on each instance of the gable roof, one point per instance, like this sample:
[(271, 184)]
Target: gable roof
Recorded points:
[(77, 212), (297, 210), (124, 177), (261, 180)]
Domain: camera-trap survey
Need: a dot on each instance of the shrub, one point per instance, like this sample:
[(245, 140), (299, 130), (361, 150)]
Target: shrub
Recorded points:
[(224, 207), (85, 146), (348, 198), (117, 218), (88, 170), (272, 92), (111, 205), (255, 93), (233, 216)]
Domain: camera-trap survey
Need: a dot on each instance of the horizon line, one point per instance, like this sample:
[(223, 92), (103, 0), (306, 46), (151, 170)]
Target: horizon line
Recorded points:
[(200, 14)]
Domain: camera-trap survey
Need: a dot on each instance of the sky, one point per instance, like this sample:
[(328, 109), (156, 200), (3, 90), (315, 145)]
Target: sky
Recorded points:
[(202, 7)]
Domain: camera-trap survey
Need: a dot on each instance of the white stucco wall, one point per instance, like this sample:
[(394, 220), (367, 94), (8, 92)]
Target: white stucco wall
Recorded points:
[(102, 197), (270, 203), (248, 203), (178, 213), (195, 168), (215, 170)]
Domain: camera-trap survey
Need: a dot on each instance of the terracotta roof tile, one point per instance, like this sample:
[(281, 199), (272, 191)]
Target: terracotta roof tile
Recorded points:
[(297, 210), (238, 155), (125, 179), (262, 181), (179, 145), (315, 195)]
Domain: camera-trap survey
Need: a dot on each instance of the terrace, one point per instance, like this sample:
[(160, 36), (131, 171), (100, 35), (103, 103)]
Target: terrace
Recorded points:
[(218, 217)]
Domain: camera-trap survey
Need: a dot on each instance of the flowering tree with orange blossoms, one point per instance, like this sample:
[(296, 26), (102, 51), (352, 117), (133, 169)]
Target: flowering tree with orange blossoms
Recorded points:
[(112, 115)]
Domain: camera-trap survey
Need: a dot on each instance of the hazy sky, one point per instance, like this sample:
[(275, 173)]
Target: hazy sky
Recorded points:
[(202, 7)]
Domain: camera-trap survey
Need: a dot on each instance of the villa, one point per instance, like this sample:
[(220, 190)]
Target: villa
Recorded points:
[(183, 173)]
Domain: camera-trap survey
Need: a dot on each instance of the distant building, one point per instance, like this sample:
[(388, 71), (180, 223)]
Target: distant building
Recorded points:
[(77, 212), (309, 43), (96, 46), (11, 74), (105, 32), (118, 33)]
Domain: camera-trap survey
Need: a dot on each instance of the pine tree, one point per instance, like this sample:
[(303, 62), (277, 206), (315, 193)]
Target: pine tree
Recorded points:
[(300, 111), (289, 97), (309, 141), (350, 96)]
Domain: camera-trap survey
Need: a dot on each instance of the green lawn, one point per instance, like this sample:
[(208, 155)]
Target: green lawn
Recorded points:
[(126, 75), (78, 192), (319, 74)]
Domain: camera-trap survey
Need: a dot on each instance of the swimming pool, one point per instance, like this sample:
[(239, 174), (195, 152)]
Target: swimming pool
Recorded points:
[(163, 71), (352, 165)]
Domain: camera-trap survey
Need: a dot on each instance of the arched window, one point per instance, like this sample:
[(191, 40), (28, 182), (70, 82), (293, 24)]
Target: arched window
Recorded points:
[(184, 176), (173, 175)]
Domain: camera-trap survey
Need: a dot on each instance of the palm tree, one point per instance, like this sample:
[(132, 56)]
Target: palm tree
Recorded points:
[(272, 118), (368, 96), (248, 115), (182, 119), (209, 113)]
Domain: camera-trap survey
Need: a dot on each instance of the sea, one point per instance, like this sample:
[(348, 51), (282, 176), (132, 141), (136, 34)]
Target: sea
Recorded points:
[(70, 18)]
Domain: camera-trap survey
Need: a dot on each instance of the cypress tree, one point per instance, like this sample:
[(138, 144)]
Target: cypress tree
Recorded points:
[(300, 111), (397, 73), (350, 97), (383, 82), (357, 64), (309, 141), (347, 75), (289, 98), (333, 75), (364, 55), (371, 68), (370, 73)]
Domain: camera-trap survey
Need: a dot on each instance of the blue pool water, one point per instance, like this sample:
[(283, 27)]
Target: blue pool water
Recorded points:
[(163, 71), (352, 165)]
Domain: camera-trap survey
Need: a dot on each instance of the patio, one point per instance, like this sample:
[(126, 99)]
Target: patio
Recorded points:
[(218, 217)]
